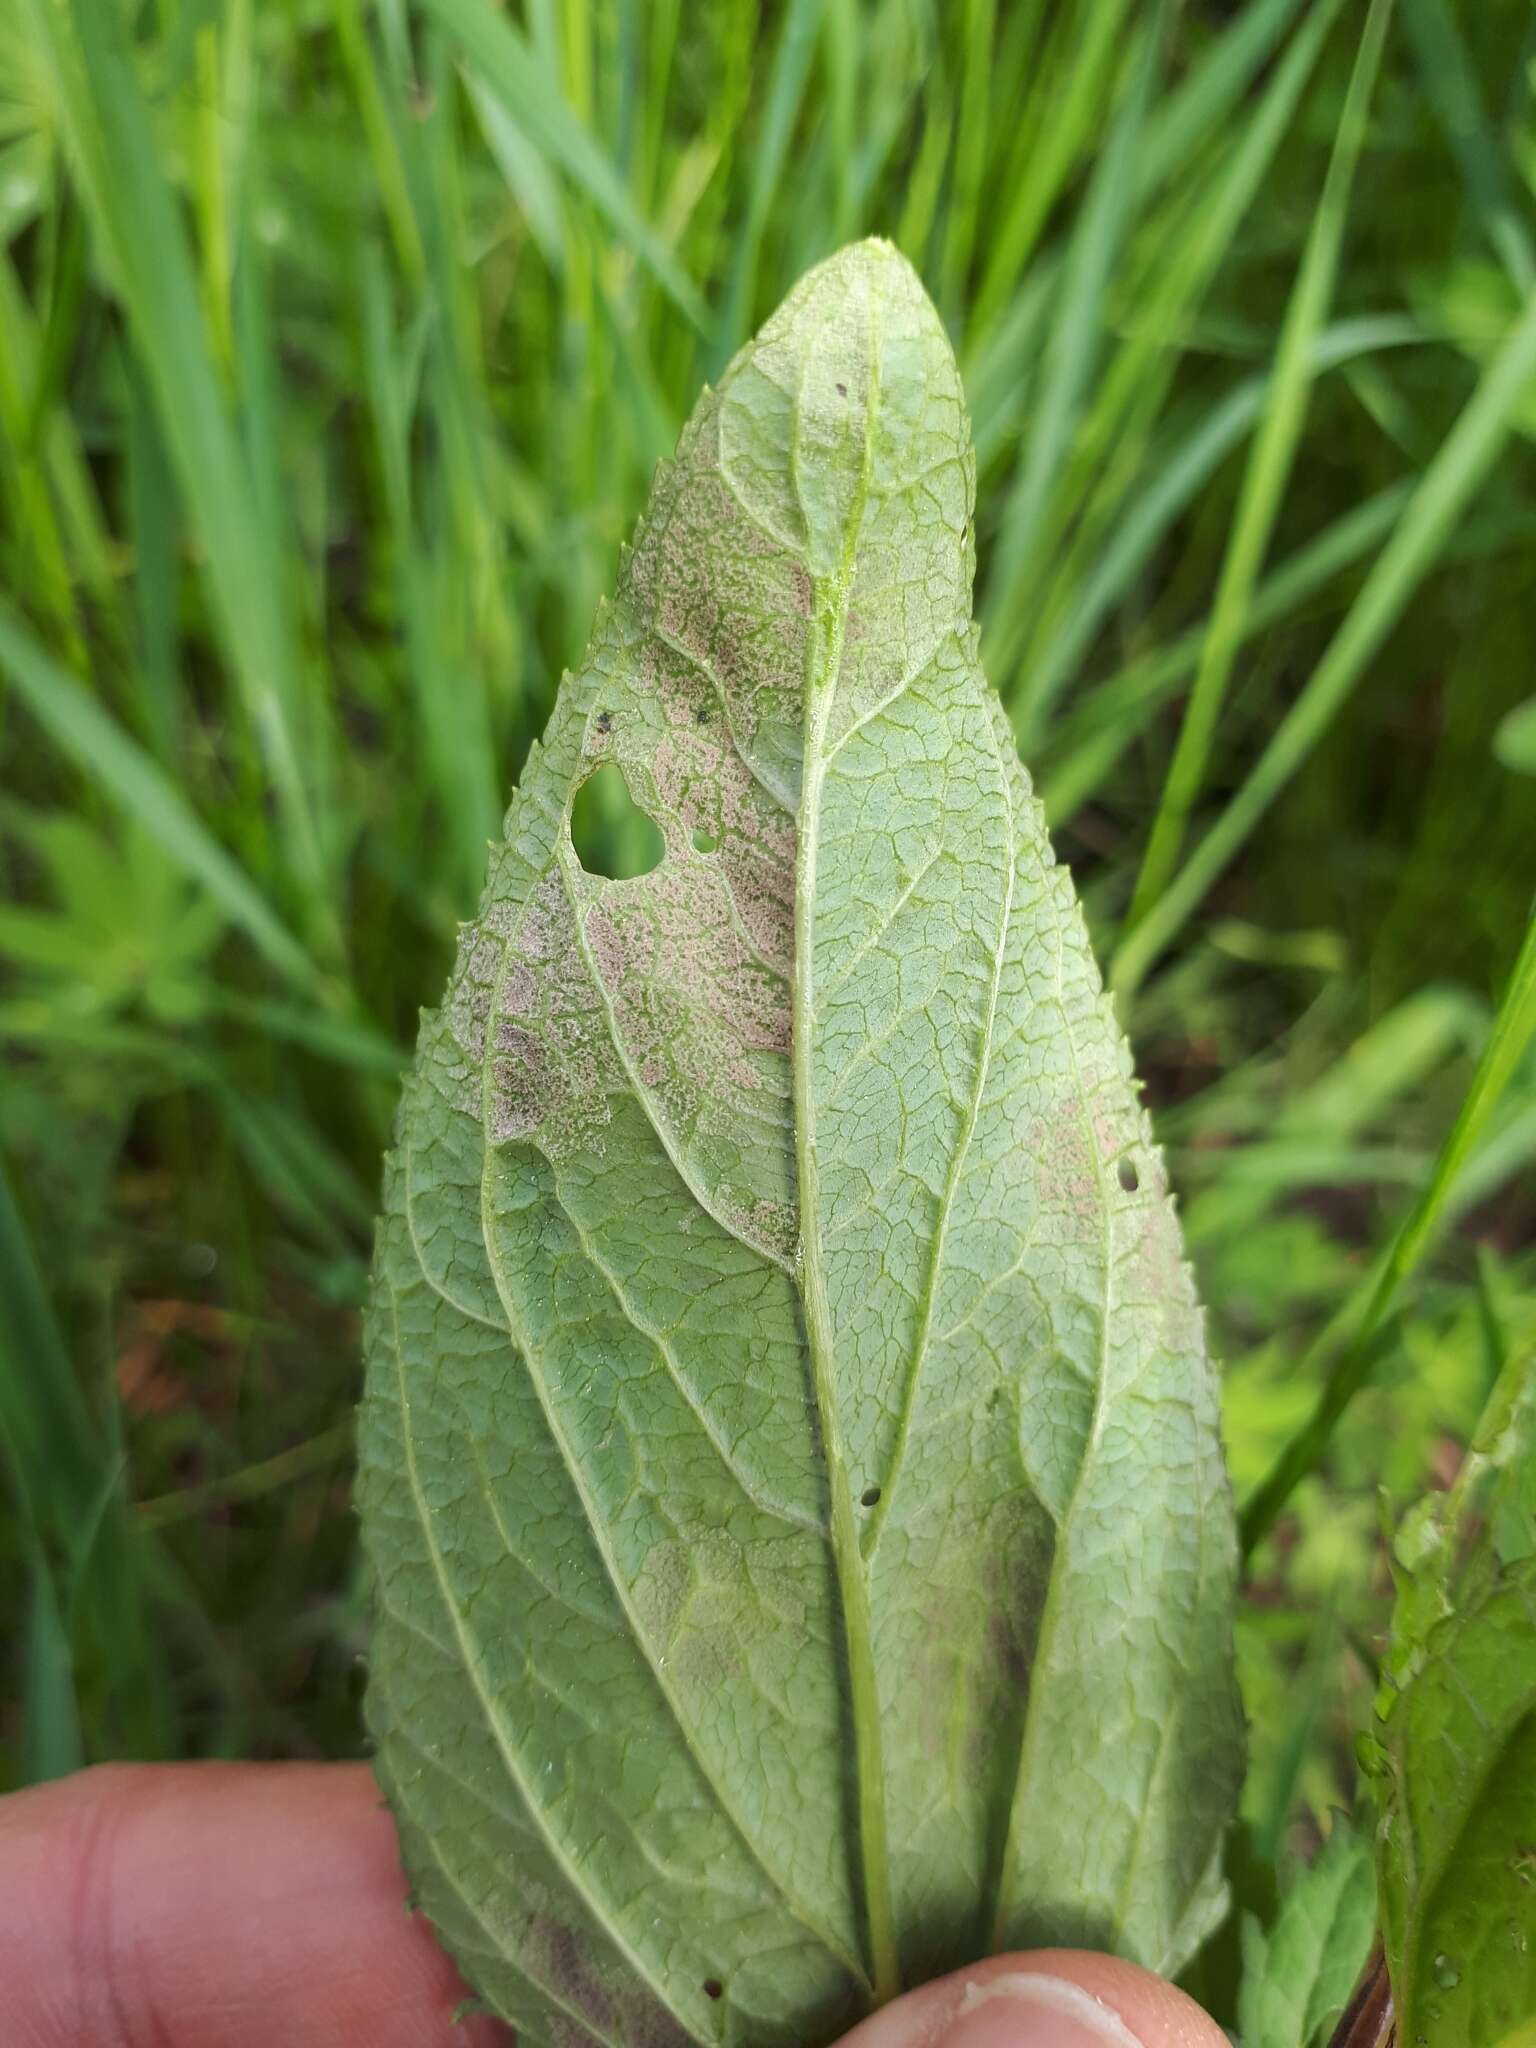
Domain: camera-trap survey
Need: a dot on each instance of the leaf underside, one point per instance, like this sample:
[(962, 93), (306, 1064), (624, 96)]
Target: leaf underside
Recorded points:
[(789, 1462)]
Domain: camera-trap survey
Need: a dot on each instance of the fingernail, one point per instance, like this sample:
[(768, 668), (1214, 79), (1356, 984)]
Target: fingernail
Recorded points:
[(1028, 2010)]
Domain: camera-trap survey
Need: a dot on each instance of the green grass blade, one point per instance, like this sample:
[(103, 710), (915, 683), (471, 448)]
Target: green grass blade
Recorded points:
[(1450, 85), (251, 1482), (1459, 466), (1513, 1030), (1071, 353), (456, 747), (67, 1472), (120, 767), (48, 443), (509, 69), (920, 205), (45, 1427), (528, 177), (64, 271), (1189, 240), (979, 37), (1119, 709), (348, 1041), (999, 383), (1082, 76), (383, 141), (1176, 128), (43, 568), (786, 89), (843, 32), (50, 1712), (1269, 467), (1173, 483), (136, 220), (1214, 89), (154, 523)]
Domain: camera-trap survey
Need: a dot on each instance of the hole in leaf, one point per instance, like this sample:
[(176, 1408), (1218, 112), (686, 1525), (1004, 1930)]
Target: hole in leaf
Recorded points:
[(705, 842), (1130, 1180), (612, 836), (870, 1496), (713, 1988)]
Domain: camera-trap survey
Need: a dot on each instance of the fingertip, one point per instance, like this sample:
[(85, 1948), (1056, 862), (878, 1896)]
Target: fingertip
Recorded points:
[(242, 1903), (1043, 1998)]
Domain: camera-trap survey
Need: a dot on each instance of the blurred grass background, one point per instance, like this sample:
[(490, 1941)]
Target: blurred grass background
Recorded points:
[(337, 345)]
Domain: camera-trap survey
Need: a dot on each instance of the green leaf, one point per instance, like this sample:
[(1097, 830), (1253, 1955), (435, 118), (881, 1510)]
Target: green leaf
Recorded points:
[(141, 790), (789, 1462), (1298, 1977), (1512, 1032), (1455, 1745), (1515, 740)]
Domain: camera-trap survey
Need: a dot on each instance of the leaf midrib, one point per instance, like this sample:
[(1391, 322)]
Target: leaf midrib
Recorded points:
[(831, 597)]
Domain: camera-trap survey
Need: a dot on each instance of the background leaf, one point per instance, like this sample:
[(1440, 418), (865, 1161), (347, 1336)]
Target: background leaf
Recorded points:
[(1456, 1742), (1299, 1976)]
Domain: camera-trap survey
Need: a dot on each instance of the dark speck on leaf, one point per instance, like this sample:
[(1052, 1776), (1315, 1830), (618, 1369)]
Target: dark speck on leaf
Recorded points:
[(842, 390), (605, 721)]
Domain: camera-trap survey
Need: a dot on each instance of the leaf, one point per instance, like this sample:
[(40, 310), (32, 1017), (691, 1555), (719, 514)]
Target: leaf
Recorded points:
[(1455, 1746), (1514, 741), (139, 787), (1298, 1978), (789, 1461)]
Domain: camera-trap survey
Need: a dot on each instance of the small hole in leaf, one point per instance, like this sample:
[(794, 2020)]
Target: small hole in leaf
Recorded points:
[(1130, 1179), (713, 1988), (612, 836), (705, 842), (870, 1496)]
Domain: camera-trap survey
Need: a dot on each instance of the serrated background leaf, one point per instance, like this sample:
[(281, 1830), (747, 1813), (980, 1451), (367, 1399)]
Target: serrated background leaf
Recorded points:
[(789, 1462), (1456, 1749), (1299, 1976)]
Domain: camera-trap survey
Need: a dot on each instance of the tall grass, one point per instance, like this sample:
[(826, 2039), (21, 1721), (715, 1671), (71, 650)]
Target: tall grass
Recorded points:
[(337, 345)]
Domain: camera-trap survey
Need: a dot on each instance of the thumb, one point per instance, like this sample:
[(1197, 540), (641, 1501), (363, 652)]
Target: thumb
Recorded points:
[(1049, 1998)]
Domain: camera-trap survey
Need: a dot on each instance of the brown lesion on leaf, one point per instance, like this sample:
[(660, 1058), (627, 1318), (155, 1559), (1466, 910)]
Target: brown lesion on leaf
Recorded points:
[(518, 1083), (554, 1068), (1066, 1172), (689, 962), (557, 1959)]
